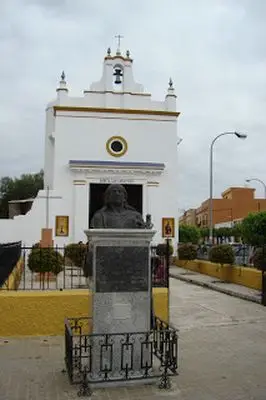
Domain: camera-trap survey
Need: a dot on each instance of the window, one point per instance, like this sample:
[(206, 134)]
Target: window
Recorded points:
[(116, 146)]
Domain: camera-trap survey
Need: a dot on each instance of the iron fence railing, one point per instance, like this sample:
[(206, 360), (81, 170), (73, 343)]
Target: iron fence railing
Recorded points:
[(70, 275), (95, 358)]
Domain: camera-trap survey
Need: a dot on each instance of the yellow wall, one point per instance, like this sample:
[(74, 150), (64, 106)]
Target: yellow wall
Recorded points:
[(160, 301), (40, 313), (249, 277)]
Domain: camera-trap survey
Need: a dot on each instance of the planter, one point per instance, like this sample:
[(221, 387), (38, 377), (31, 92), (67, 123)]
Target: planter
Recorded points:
[(226, 272)]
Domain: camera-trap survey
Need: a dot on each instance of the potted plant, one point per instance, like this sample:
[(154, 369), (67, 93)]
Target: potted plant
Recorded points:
[(47, 262), (187, 252), (222, 254), (76, 252), (161, 249), (259, 258)]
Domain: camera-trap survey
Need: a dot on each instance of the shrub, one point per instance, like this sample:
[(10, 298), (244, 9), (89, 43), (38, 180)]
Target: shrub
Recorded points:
[(76, 253), (45, 260), (187, 251), (161, 249), (222, 254), (259, 259)]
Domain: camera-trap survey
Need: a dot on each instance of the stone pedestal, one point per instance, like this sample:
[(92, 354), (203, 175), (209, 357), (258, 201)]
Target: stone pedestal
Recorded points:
[(121, 300)]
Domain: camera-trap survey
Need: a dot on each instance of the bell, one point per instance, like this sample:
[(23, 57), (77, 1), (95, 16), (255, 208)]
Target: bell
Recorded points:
[(118, 75)]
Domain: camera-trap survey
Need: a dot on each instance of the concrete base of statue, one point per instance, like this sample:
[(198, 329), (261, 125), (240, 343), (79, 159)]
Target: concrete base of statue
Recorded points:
[(121, 301)]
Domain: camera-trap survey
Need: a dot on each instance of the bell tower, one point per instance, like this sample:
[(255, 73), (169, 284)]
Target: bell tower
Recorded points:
[(117, 75)]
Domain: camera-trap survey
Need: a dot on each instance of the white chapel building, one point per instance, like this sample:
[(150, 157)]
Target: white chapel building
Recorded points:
[(114, 133)]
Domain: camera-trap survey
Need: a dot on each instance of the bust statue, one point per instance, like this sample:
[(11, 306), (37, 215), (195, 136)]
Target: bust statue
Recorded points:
[(116, 212)]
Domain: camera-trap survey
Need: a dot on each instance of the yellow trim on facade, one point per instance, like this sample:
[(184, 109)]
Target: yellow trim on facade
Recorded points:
[(115, 111), (79, 182), (113, 92), (118, 56), (152, 184), (117, 118)]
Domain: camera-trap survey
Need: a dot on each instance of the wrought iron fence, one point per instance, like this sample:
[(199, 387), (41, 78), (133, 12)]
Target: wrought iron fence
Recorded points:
[(97, 358), (68, 273)]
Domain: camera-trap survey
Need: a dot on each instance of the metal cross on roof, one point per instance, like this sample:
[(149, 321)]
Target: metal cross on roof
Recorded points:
[(118, 37)]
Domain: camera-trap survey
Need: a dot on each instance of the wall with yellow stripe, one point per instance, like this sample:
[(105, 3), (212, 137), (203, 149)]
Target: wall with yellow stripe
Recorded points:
[(249, 277), (32, 313)]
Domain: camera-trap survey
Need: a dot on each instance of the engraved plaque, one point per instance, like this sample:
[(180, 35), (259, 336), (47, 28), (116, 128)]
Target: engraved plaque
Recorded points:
[(122, 269), (121, 311)]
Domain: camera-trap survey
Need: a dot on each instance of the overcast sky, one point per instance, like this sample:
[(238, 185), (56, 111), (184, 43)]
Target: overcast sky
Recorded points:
[(214, 50)]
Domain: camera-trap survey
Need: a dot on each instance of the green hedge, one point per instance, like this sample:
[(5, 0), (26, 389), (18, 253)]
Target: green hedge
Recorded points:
[(222, 254)]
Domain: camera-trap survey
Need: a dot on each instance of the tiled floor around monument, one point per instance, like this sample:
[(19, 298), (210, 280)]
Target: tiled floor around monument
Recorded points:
[(222, 355)]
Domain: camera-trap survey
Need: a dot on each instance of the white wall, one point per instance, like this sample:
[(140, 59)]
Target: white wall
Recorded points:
[(83, 138), (27, 228), (82, 135)]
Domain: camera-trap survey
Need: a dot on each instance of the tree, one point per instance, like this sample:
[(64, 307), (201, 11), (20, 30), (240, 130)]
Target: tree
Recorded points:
[(253, 229), (189, 234), (25, 187), (237, 231), (204, 233)]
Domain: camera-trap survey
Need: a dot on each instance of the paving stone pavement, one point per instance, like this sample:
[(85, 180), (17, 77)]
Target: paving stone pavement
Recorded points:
[(216, 284), (222, 355)]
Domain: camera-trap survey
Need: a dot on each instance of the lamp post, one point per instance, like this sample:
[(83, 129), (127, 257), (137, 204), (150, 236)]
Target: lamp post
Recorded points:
[(260, 181), (239, 136)]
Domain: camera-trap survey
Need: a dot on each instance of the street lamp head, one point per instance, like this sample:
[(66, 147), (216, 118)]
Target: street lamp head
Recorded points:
[(247, 180), (241, 135)]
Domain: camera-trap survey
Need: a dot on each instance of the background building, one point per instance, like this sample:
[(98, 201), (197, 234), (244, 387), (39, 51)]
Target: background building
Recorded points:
[(236, 203), (189, 217)]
